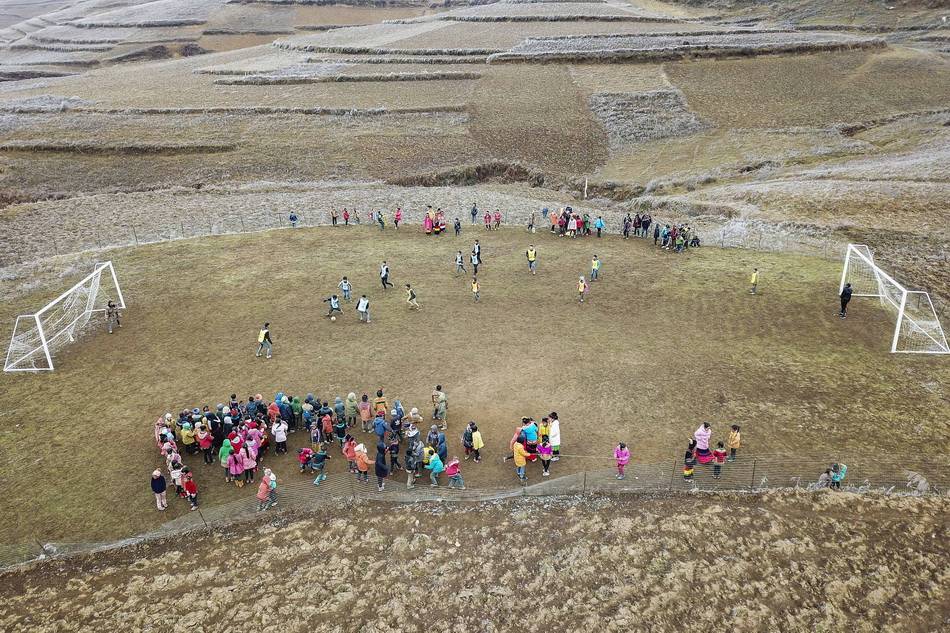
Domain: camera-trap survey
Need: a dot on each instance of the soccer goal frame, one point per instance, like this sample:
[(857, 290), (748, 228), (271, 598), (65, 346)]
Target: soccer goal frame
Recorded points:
[(917, 329), (36, 336)]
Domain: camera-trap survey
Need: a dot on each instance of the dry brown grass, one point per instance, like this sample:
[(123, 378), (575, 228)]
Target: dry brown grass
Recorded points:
[(812, 90), (781, 562)]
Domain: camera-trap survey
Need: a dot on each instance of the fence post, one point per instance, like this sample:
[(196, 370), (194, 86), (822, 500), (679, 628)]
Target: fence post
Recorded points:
[(672, 473), (134, 234), (210, 226), (243, 230), (280, 221), (181, 225), (585, 482), (98, 237), (752, 486)]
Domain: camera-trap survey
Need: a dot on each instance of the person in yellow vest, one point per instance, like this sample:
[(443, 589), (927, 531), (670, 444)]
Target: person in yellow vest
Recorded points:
[(582, 288), (754, 280), (264, 343), (475, 289), (532, 255), (594, 268)]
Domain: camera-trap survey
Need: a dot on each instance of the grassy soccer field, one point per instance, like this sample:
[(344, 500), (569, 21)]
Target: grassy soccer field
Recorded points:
[(664, 342)]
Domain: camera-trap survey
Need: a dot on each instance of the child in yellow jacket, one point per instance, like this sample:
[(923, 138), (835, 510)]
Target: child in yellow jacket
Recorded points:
[(734, 442)]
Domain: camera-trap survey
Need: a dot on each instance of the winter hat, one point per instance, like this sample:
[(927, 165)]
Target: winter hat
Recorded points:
[(413, 412), (285, 400), (258, 397), (156, 474), (351, 396), (186, 425), (168, 417)]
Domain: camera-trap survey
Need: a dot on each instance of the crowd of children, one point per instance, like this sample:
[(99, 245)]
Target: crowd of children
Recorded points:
[(535, 442)]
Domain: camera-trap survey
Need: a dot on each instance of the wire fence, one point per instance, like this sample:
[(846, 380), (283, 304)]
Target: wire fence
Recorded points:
[(893, 476)]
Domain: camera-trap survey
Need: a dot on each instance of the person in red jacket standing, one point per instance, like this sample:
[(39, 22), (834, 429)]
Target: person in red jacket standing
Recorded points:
[(191, 489)]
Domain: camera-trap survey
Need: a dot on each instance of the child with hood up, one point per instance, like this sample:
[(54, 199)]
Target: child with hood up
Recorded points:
[(339, 409), (351, 409), (158, 489), (236, 469), (249, 457), (362, 463), (435, 468), (622, 457), (296, 409)]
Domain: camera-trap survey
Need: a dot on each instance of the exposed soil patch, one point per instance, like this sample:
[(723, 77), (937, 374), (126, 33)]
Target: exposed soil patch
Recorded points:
[(645, 116)]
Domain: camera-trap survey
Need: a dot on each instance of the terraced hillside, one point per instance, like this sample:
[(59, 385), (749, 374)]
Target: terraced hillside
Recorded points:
[(804, 123)]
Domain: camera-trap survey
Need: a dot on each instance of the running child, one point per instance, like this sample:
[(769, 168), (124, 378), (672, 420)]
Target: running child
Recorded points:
[(475, 289), (532, 255), (334, 302), (411, 298)]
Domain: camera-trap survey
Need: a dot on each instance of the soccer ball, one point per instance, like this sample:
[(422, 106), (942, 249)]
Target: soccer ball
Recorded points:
[(333, 318)]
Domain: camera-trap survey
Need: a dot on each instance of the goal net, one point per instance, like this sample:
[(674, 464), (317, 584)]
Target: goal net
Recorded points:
[(917, 328), (36, 337)]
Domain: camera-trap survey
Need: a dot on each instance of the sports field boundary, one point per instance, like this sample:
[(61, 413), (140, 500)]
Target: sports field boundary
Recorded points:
[(909, 476)]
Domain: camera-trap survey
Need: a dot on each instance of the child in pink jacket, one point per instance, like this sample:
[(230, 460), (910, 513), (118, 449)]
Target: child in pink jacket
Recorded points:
[(622, 455), (454, 472)]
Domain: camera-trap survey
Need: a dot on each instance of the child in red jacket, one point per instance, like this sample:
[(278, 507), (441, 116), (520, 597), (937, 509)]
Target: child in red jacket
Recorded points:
[(191, 489)]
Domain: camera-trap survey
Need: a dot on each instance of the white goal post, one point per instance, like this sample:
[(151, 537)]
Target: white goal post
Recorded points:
[(36, 336), (917, 330)]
